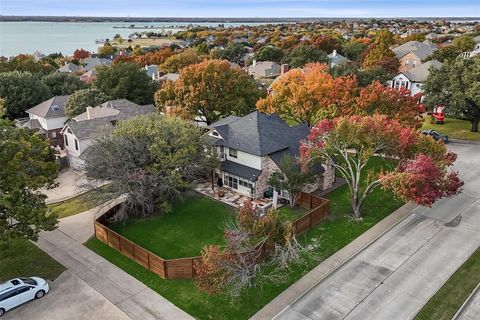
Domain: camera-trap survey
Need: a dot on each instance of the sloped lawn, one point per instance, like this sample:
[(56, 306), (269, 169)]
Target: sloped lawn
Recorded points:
[(339, 230)]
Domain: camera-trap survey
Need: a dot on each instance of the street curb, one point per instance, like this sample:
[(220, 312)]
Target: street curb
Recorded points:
[(332, 264), (453, 140)]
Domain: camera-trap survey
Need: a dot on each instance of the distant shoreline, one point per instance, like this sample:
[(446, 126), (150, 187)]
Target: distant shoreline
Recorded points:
[(211, 20)]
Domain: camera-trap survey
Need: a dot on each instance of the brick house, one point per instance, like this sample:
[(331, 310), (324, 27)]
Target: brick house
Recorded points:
[(251, 148), (412, 53)]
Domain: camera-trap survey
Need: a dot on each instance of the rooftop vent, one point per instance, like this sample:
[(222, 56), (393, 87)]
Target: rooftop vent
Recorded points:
[(55, 108)]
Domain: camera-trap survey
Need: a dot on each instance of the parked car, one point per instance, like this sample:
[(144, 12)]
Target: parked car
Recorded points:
[(435, 135), (20, 290)]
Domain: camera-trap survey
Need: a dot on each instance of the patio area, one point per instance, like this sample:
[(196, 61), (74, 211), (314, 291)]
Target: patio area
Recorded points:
[(231, 197)]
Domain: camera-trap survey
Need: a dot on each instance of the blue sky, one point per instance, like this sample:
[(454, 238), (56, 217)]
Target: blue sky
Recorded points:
[(243, 8)]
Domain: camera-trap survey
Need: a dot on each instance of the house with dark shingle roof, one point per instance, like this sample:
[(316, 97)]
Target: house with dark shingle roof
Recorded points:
[(412, 53), (414, 78), (80, 131), (251, 148), (48, 119), (68, 67)]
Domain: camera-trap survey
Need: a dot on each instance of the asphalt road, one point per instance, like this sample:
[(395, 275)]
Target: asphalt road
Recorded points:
[(396, 276)]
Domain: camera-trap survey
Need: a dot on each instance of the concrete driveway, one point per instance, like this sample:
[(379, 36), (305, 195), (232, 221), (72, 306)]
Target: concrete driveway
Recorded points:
[(69, 298), (396, 276), (71, 183)]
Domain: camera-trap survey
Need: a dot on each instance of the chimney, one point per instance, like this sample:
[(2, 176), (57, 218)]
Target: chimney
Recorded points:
[(89, 113), (254, 62), (284, 68), (334, 53)]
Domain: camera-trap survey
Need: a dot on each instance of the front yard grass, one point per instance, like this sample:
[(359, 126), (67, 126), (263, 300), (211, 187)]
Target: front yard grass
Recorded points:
[(454, 128), (445, 303), (336, 232), (78, 204), (193, 223), (21, 258)]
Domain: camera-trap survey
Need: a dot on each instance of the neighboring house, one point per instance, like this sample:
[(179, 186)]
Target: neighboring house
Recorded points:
[(264, 69), (411, 53), (68, 68), (337, 59), (93, 62), (414, 78), (152, 72), (251, 148), (476, 50), (89, 76), (169, 76), (48, 119), (80, 131)]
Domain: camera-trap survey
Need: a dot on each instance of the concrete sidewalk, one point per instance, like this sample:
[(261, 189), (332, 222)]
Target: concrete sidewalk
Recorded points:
[(124, 291), (333, 262), (470, 310)]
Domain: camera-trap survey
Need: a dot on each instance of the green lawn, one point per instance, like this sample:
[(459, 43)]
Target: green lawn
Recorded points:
[(336, 232), (191, 224), (288, 213), (445, 303), (78, 204), (22, 258), (454, 128)]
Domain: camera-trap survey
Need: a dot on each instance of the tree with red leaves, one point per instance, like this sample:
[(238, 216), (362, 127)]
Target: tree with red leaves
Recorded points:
[(81, 54), (419, 170)]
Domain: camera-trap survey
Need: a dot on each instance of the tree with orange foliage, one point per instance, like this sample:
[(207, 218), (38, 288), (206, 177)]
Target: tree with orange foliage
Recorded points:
[(310, 94), (379, 54), (397, 104), (210, 89), (81, 54)]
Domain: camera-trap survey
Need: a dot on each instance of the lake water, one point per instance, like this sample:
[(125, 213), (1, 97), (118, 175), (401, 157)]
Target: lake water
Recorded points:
[(65, 37)]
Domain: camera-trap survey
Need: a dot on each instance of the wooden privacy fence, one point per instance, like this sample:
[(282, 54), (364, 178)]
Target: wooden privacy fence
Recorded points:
[(184, 268)]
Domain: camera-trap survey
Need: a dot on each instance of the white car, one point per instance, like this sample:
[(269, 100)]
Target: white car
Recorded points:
[(20, 290)]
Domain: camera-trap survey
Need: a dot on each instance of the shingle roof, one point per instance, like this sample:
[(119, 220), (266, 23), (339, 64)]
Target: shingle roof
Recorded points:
[(120, 109), (91, 63), (87, 129), (260, 134), (420, 49), (420, 73), (52, 108), (264, 69), (240, 170), (68, 67)]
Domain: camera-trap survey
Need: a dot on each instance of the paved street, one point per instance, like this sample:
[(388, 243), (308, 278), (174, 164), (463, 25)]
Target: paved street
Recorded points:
[(395, 276), (69, 298)]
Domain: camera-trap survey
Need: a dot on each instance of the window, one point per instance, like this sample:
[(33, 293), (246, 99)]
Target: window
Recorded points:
[(232, 152), (231, 182), (76, 144), (53, 134), (407, 62), (245, 183), (23, 289), (8, 295), (66, 140), (69, 131), (215, 133)]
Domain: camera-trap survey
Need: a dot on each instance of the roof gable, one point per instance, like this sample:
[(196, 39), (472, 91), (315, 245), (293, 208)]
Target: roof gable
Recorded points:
[(52, 108)]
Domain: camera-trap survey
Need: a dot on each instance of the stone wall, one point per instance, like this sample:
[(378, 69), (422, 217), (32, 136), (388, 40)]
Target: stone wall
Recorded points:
[(268, 167), (328, 175)]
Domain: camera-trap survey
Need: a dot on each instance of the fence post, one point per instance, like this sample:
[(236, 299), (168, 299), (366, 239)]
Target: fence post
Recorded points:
[(310, 200)]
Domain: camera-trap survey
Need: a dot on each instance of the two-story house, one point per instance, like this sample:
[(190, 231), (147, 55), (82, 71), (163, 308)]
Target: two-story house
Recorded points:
[(251, 148), (80, 132), (48, 119), (412, 53)]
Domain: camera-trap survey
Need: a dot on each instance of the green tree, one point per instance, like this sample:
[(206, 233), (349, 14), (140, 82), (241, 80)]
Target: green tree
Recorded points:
[(210, 89), (353, 50), (234, 52), (291, 178), (27, 63), (62, 83), (269, 53), (21, 91), (78, 102), (464, 43), (27, 167), (304, 54), (152, 160), (456, 85), (125, 81)]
